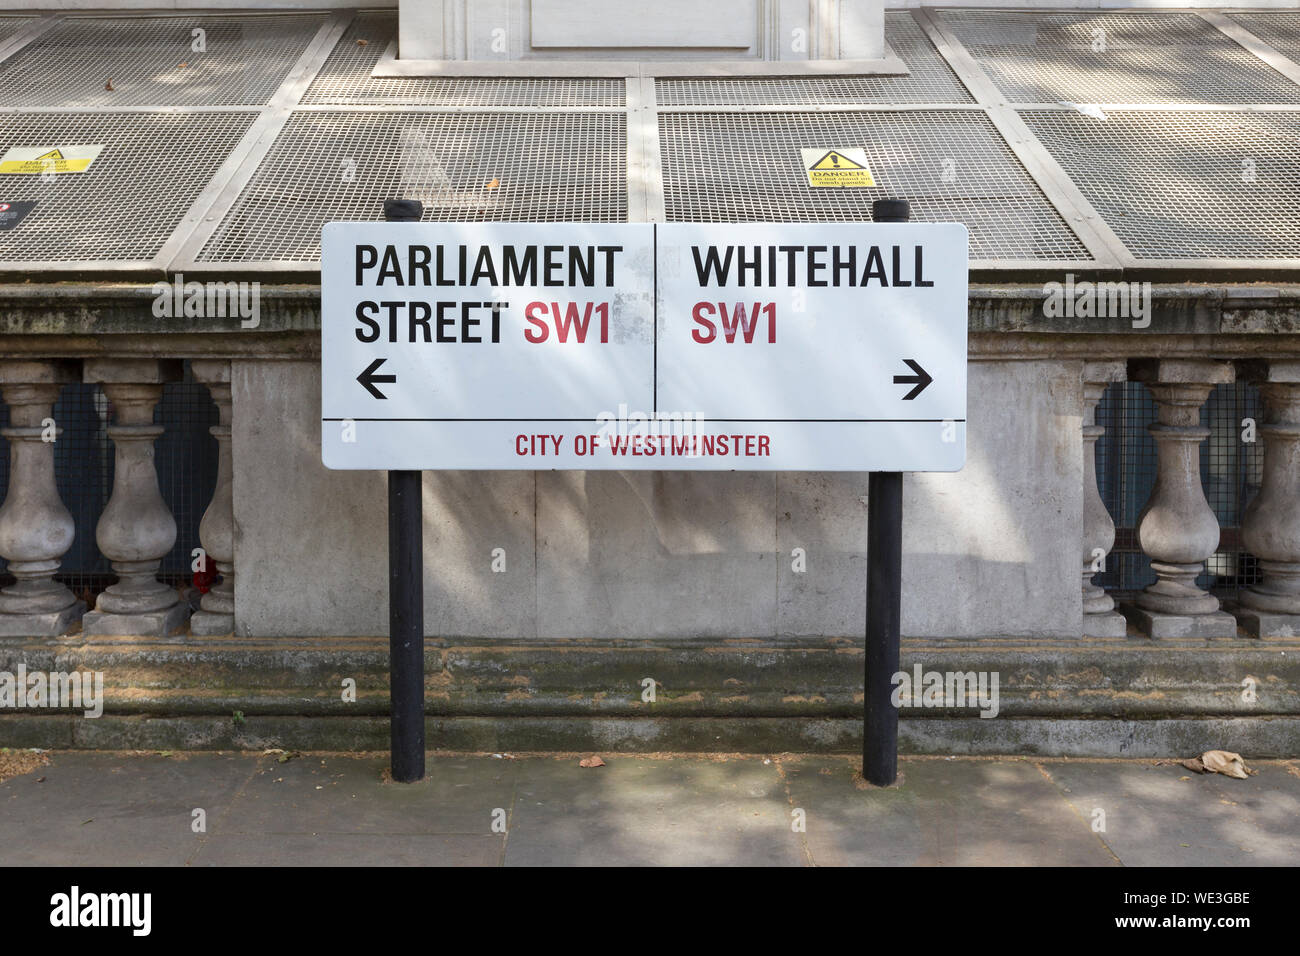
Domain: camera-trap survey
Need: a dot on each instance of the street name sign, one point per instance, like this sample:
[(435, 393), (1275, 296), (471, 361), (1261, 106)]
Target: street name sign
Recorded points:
[(668, 346)]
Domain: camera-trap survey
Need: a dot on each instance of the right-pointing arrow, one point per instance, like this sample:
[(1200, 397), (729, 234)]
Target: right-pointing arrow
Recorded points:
[(368, 378), (921, 379)]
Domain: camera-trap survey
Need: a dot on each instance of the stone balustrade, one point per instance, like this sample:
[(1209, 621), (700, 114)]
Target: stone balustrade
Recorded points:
[(1177, 528)]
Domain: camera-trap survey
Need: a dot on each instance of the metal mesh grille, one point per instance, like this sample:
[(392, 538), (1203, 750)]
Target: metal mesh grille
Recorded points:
[(1126, 472), (186, 458), (1115, 58), (952, 165), (1281, 31), (11, 25), (345, 79), (134, 194), (1185, 184), (931, 80), (548, 167), (152, 61)]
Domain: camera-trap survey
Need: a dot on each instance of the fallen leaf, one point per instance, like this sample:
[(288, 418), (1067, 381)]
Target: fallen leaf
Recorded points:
[(182, 66), (363, 43), (495, 184), (1225, 762), (591, 762), (109, 85)]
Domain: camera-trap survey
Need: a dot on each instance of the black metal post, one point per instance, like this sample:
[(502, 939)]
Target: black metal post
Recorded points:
[(405, 596), (884, 596)]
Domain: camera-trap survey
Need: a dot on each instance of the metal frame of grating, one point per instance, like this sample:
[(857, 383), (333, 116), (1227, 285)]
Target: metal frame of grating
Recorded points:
[(1185, 185), (501, 166), (157, 61), (1129, 57), (931, 80), (951, 136), (952, 165), (1280, 30), (10, 26), (345, 80), (135, 194)]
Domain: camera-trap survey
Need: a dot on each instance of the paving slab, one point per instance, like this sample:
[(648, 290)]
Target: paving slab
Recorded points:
[(648, 810), (350, 849), (1165, 815), (943, 812), (331, 809), (115, 809), (331, 793)]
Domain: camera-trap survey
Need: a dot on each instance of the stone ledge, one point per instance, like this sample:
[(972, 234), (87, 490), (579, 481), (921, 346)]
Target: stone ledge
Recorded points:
[(1251, 737), (588, 680), (122, 310)]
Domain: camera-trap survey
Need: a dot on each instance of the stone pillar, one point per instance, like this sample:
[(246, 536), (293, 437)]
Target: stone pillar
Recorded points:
[(1270, 528), (217, 529), (136, 530), (36, 530), (1177, 528), (1100, 619)]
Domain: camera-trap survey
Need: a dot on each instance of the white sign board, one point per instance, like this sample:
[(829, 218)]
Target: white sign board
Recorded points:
[(670, 346)]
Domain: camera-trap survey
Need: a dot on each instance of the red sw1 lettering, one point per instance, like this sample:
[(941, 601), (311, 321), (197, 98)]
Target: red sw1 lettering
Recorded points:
[(571, 320), (738, 320)]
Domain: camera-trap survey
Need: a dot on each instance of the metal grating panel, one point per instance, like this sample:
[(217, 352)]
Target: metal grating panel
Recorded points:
[(11, 25), (1185, 184), (1231, 472), (1281, 31), (952, 165), (931, 80), (124, 207), (1115, 58), (152, 61), (328, 166), (345, 79)]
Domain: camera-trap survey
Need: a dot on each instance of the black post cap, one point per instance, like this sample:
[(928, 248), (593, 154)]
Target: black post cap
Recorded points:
[(891, 210), (403, 210)]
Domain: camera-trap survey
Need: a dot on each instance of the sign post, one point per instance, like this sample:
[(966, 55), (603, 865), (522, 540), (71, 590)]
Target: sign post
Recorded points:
[(646, 346), (884, 594), (405, 596)]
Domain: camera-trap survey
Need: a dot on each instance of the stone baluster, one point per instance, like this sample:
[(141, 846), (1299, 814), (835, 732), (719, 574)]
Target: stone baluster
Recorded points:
[(136, 530), (1100, 619), (217, 529), (1177, 528), (36, 529), (1270, 528)]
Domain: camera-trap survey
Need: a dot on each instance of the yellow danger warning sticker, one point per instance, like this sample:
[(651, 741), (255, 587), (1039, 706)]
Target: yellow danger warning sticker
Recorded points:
[(47, 160), (837, 167)]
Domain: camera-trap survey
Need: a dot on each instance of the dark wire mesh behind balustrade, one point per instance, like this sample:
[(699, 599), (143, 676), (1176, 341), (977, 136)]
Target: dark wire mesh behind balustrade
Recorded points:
[(186, 457), (1230, 476)]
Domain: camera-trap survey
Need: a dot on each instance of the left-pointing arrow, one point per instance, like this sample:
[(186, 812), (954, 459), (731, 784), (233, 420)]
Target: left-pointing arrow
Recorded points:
[(368, 378)]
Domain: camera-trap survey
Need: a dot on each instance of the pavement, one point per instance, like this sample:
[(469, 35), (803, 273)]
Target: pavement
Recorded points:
[(81, 808)]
